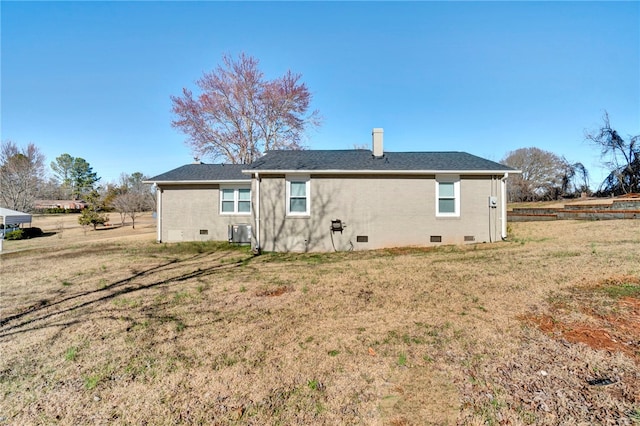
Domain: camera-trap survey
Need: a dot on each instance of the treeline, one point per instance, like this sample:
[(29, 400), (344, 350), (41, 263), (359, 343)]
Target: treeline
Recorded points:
[(547, 176), (24, 179)]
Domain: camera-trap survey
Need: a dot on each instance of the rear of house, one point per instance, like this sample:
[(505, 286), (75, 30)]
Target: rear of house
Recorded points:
[(361, 199), (325, 200)]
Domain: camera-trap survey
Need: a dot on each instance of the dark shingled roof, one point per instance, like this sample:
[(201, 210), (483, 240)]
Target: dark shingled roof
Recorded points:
[(361, 159), (335, 160), (203, 172)]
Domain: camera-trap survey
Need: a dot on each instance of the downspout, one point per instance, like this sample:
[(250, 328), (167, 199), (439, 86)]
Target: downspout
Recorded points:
[(492, 210), (503, 207), (257, 247), (159, 213)]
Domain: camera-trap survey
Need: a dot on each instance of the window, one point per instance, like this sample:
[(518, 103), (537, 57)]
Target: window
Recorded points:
[(448, 196), (244, 200), (298, 196), (235, 200)]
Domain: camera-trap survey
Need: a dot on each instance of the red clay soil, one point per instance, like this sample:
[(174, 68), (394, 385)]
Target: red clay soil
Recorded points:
[(274, 292), (615, 333)]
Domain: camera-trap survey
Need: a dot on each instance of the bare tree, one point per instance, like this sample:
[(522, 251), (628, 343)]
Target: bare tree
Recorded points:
[(134, 197), (21, 175), (621, 157), (132, 204), (574, 179), (118, 202), (239, 115), (52, 190), (542, 174)]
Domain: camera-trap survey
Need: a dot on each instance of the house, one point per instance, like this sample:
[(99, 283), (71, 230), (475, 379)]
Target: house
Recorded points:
[(60, 204), (325, 200)]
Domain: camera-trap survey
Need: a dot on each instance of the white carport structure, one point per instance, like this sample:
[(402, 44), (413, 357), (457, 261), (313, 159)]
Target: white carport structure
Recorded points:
[(12, 217)]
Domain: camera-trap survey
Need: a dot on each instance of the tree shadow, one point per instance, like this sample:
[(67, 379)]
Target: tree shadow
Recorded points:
[(283, 233), (45, 309), (108, 228)]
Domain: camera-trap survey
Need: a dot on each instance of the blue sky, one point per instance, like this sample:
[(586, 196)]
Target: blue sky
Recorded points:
[(93, 79)]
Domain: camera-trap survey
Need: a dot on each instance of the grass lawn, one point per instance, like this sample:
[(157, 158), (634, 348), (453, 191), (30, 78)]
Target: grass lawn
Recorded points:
[(541, 329)]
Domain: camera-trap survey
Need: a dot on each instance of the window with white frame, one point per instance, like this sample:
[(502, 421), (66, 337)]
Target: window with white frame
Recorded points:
[(235, 200), (298, 196), (448, 196)]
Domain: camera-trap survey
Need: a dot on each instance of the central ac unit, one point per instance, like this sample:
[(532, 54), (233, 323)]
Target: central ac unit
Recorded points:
[(240, 233)]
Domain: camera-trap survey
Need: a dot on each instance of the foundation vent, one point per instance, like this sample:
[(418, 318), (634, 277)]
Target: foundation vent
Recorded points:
[(436, 238)]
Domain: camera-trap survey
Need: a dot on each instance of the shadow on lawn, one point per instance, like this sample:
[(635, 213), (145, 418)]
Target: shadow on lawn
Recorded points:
[(45, 309)]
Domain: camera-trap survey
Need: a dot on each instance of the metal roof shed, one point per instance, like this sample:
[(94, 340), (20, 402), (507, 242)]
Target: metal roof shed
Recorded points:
[(13, 217)]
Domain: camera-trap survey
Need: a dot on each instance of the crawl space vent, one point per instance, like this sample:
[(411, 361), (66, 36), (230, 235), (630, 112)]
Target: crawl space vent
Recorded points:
[(362, 238), (469, 238), (436, 239)]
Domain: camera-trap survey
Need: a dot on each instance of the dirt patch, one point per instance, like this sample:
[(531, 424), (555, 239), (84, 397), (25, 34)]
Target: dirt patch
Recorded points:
[(608, 334), (616, 329), (273, 292)]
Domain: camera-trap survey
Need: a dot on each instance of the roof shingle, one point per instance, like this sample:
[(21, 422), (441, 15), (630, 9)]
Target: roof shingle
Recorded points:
[(363, 160), (203, 172), (334, 160)]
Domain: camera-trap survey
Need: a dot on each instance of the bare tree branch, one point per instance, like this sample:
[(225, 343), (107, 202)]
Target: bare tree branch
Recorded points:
[(621, 157), (239, 115), (21, 175), (542, 177)]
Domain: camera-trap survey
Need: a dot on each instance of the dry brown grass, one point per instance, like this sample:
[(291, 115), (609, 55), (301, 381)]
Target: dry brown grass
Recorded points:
[(126, 331)]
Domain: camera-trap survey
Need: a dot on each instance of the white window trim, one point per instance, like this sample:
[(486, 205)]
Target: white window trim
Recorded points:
[(236, 200), (299, 178), (455, 179)]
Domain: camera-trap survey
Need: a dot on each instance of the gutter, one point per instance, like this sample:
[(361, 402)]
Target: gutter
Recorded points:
[(197, 182), (381, 172)]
